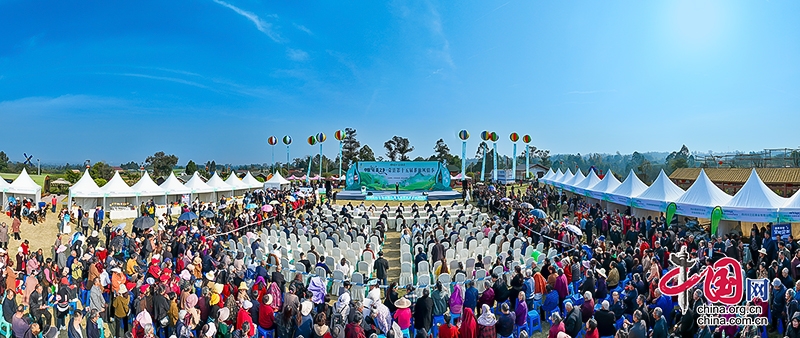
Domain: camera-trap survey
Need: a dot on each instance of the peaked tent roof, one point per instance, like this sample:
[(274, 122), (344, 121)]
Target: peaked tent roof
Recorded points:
[(701, 198), (564, 178), (117, 187), (173, 186), (589, 182), (4, 185), (196, 184), (236, 183), (755, 202), (85, 187), (607, 184), (662, 189), (755, 194), (251, 181), (548, 175), (631, 187), (704, 193), (276, 181), (146, 187), (24, 184), (656, 197), (577, 178), (216, 183)]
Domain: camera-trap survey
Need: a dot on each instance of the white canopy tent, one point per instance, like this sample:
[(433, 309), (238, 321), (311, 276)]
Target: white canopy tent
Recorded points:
[(276, 182), (251, 181), (582, 188), (702, 197), (221, 188), (547, 177), (559, 183), (239, 187), (556, 178), (658, 195), (790, 212), (25, 187), (146, 188), (755, 202), (174, 189), (570, 184), (85, 193), (606, 185), (630, 188), (119, 199), (199, 189)]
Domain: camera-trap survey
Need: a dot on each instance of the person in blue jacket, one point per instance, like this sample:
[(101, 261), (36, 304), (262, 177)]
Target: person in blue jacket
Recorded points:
[(550, 301)]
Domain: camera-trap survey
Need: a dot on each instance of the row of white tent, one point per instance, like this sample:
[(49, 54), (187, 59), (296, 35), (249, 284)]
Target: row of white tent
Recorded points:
[(754, 202)]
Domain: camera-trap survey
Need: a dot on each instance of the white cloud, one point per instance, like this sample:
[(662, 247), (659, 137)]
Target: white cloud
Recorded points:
[(296, 54), (443, 52), (304, 29), (165, 78), (263, 26)]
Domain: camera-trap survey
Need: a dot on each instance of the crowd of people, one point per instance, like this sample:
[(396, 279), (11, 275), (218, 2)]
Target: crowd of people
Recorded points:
[(184, 279)]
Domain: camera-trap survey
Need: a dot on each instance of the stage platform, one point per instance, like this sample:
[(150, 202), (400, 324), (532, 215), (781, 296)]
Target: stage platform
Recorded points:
[(355, 195)]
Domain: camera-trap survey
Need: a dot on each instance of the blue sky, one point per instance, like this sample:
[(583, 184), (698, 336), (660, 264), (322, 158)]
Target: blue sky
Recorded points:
[(117, 81)]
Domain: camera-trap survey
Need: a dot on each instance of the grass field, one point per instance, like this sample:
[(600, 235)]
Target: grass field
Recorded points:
[(39, 179)]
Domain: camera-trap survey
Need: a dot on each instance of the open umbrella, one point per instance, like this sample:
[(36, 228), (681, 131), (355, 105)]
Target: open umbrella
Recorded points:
[(144, 222), (251, 206), (574, 229), (291, 198), (273, 202), (187, 216), (207, 214), (222, 206), (526, 205), (120, 226), (266, 208), (538, 213), (505, 199)]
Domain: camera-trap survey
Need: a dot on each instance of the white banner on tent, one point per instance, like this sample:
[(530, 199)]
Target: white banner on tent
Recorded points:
[(749, 215), (622, 200), (649, 204), (694, 210), (789, 216), (596, 195)]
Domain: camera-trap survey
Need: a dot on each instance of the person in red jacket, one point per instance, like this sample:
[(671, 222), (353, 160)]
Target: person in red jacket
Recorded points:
[(266, 313), (244, 317), (448, 330)]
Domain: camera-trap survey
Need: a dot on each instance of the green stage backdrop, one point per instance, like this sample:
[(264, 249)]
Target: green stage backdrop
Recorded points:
[(410, 176)]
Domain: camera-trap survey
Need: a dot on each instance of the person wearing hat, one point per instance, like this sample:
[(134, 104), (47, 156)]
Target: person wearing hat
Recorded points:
[(243, 316), (121, 309), (374, 291), (266, 314), (403, 314), (777, 302), (305, 325)]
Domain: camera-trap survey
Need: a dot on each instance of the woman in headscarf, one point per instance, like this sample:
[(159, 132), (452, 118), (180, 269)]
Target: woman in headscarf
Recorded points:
[(486, 323), (456, 301), (468, 325)]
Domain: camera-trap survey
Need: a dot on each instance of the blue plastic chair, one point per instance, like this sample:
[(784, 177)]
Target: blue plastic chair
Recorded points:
[(534, 322), (550, 314), (5, 327)]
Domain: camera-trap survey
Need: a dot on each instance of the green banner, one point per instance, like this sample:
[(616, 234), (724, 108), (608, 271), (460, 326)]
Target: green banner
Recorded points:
[(716, 216), (671, 208), (404, 176)]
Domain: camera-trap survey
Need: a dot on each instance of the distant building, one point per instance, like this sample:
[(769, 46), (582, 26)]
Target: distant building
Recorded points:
[(783, 181), (536, 170)]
